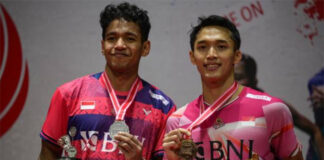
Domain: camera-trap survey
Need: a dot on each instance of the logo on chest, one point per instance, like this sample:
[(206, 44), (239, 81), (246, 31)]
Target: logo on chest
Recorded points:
[(219, 123), (146, 112)]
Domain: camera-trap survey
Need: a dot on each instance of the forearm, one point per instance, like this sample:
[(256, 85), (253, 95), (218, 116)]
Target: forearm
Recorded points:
[(298, 156), (302, 122), (49, 151)]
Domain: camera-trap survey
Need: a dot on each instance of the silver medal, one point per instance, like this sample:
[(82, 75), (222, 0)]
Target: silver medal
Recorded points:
[(72, 131), (116, 127), (71, 152), (65, 143)]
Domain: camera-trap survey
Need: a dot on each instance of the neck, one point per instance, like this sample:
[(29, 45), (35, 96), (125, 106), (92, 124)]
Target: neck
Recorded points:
[(121, 81), (212, 90)]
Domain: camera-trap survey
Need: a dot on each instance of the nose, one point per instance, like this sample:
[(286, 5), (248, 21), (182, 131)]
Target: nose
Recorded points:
[(212, 53), (120, 44)]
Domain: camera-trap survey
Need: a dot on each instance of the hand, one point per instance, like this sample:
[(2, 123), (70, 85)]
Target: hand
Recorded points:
[(130, 146), (172, 142)]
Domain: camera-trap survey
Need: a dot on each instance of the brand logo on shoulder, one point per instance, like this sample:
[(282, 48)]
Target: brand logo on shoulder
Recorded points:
[(85, 105), (263, 97), (159, 97)]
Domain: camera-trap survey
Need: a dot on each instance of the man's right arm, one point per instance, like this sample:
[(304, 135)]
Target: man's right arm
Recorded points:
[(49, 151), (54, 127)]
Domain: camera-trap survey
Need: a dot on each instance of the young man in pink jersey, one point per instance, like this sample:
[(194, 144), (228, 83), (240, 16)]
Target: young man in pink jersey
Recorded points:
[(228, 121), (112, 114)]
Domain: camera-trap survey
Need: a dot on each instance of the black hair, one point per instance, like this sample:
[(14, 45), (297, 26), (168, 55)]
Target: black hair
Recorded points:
[(128, 12), (215, 20), (250, 67)]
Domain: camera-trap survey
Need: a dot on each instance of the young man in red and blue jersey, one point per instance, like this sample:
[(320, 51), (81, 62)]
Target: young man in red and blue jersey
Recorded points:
[(241, 123), (84, 109)]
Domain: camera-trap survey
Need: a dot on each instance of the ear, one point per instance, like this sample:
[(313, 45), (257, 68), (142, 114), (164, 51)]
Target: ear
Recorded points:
[(192, 57), (146, 48), (102, 47), (237, 56)]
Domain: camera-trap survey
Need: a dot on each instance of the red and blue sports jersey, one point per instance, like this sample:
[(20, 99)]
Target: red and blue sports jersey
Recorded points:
[(84, 103), (254, 125)]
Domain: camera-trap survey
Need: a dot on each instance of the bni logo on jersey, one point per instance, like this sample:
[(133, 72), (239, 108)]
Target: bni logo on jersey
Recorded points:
[(13, 73)]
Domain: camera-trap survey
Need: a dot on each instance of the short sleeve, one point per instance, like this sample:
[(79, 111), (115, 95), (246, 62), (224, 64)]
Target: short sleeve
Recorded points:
[(56, 120), (281, 130)]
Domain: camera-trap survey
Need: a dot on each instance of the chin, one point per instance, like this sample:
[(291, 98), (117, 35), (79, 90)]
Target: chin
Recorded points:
[(211, 78), (118, 68)]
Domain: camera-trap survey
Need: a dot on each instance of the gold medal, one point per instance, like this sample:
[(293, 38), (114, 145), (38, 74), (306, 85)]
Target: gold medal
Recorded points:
[(188, 149), (254, 157)]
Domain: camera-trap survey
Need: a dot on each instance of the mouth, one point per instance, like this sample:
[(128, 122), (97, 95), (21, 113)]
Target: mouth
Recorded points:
[(212, 66), (120, 54)]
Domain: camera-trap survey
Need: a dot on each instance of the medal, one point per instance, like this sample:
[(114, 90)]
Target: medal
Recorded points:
[(188, 149), (71, 152), (116, 127), (119, 125), (65, 143), (254, 157), (72, 132)]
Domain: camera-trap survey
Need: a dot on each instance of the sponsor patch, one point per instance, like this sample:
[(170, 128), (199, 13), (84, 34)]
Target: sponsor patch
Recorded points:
[(253, 96), (88, 105)]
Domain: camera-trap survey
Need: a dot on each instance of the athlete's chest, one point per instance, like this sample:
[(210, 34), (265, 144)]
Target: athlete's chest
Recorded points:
[(233, 132)]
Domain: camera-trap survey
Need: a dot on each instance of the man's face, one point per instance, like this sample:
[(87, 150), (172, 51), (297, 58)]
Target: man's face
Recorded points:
[(214, 53), (123, 47), (317, 96)]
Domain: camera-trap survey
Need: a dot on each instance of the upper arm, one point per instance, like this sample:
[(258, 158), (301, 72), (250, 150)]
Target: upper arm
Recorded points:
[(281, 130), (49, 151), (54, 127), (56, 121)]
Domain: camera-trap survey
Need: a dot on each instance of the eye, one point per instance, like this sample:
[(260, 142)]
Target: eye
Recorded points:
[(222, 47), (131, 39), (201, 47), (110, 38)]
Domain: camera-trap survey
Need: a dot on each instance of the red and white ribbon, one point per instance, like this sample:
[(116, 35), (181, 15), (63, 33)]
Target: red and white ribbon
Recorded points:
[(214, 107), (120, 110)]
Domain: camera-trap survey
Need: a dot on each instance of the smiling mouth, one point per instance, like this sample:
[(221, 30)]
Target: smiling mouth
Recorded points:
[(120, 54), (212, 67)]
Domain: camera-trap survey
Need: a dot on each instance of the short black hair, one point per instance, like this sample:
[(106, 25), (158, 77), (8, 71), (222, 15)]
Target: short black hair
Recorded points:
[(128, 12), (215, 20)]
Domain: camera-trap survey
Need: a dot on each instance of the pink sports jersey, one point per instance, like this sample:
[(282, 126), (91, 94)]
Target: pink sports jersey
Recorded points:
[(253, 125), (84, 103)]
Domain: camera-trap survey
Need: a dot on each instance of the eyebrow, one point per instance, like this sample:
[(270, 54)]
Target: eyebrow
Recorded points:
[(127, 33), (218, 41)]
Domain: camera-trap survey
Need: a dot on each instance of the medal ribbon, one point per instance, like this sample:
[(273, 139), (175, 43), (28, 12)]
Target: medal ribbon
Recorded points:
[(214, 107), (121, 109)]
